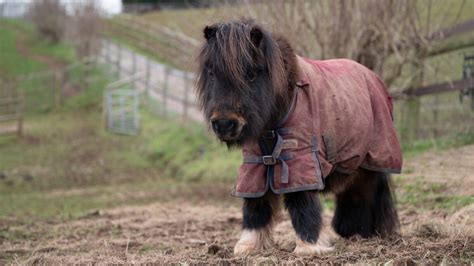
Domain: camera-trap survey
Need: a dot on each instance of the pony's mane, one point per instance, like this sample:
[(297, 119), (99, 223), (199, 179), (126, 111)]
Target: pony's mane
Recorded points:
[(232, 47)]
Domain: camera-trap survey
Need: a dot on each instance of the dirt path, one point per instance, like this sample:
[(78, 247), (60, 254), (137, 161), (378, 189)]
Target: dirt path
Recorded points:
[(205, 231), (22, 47), (185, 233)]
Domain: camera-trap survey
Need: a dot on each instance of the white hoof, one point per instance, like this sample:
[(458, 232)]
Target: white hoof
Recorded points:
[(311, 249), (252, 241)]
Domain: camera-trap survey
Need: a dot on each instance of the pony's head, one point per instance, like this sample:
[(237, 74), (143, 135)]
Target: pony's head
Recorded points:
[(244, 79)]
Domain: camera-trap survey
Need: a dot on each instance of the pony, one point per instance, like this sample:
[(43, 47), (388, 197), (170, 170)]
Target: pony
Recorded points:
[(250, 84)]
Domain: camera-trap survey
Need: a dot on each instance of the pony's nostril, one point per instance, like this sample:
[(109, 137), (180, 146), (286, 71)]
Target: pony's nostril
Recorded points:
[(223, 126)]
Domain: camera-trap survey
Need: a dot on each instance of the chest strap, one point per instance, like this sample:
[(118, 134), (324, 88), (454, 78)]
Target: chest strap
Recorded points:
[(275, 157)]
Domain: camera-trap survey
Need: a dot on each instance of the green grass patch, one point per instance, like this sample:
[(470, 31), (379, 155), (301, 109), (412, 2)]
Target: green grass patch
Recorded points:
[(23, 201), (12, 62), (60, 51), (421, 146), (92, 96), (198, 158), (18, 65), (428, 196)]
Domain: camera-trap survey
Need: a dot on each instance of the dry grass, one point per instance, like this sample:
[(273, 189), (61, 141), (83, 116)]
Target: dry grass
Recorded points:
[(180, 232), (200, 224)]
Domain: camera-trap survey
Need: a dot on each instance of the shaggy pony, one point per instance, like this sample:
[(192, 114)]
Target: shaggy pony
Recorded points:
[(247, 80)]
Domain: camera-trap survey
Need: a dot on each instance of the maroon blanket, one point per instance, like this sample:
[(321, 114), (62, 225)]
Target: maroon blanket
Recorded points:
[(341, 120)]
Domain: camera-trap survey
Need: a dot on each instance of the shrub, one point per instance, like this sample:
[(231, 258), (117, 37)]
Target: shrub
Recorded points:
[(49, 18)]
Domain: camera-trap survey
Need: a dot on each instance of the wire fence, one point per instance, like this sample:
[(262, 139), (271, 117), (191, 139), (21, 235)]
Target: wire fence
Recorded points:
[(41, 92), (166, 91)]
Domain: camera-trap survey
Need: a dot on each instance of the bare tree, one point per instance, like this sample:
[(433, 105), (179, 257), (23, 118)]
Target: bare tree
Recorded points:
[(49, 17), (86, 29), (384, 35)]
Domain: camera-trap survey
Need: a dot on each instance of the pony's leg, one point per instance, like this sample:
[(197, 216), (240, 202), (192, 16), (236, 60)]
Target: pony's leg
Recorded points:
[(305, 212), (258, 215), (366, 207)]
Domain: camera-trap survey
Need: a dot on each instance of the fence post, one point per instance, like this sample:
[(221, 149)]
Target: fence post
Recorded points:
[(435, 115), (57, 92), (134, 63), (119, 61), (107, 51), (20, 111), (411, 118), (411, 109), (105, 110), (86, 67), (186, 96), (165, 90), (147, 81), (134, 67)]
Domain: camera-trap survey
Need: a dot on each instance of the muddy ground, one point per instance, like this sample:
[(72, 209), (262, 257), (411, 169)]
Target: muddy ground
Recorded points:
[(205, 230)]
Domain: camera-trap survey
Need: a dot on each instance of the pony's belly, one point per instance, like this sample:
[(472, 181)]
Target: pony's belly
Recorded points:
[(338, 182)]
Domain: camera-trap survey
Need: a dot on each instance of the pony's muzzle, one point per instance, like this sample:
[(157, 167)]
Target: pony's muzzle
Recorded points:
[(224, 127), (228, 127)]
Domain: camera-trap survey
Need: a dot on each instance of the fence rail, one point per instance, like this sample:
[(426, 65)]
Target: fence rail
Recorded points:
[(165, 90), (451, 86)]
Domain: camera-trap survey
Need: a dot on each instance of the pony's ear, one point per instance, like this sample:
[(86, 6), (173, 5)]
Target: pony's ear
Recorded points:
[(210, 32), (256, 36)]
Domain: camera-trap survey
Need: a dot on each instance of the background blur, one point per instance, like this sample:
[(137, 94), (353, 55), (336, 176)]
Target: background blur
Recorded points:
[(104, 155)]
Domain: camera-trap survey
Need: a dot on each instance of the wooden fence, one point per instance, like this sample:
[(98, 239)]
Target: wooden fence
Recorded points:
[(166, 91), (457, 85), (11, 109), (47, 89), (41, 92)]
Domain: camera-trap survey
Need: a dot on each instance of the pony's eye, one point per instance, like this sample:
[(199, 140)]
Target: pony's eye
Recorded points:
[(211, 74), (252, 75)]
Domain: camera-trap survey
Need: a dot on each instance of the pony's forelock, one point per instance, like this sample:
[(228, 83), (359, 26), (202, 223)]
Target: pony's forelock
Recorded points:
[(231, 50)]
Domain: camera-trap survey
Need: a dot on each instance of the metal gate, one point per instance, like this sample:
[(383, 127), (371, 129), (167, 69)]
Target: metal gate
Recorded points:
[(122, 111)]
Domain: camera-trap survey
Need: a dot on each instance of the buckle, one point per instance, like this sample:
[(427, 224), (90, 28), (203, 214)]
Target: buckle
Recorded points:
[(269, 134), (269, 160)]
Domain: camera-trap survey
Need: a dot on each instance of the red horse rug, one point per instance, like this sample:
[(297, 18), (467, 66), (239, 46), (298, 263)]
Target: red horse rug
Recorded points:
[(341, 120)]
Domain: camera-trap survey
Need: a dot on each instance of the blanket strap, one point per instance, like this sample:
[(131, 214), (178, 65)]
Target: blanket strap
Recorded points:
[(331, 151), (274, 158)]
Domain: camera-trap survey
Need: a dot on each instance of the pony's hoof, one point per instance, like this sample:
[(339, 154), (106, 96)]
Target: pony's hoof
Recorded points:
[(244, 248), (252, 241), (311, 249)]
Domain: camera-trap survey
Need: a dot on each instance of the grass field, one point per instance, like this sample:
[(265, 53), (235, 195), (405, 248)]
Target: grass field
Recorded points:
[(14, 63)]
